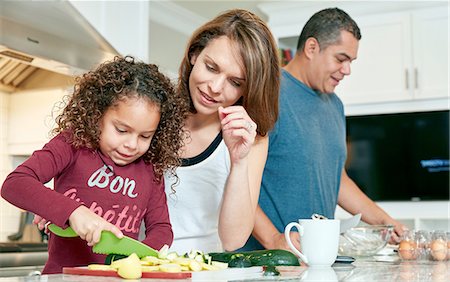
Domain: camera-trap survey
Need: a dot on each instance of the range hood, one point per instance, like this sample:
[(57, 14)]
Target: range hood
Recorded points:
[(47, 35)]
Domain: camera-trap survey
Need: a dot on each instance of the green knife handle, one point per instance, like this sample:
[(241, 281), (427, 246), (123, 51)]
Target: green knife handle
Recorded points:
[(68, 232)]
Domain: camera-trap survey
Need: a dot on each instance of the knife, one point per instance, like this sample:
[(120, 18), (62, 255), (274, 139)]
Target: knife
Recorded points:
[(109, 243)]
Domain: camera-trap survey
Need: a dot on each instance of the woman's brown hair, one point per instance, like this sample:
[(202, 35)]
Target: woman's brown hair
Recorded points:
[(259, 54)]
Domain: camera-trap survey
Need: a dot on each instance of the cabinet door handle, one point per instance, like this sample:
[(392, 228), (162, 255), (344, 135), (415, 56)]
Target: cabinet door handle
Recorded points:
[(406, 79), (416, 78)]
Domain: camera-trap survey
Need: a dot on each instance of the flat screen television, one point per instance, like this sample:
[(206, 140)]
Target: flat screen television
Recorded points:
[(400, 157)]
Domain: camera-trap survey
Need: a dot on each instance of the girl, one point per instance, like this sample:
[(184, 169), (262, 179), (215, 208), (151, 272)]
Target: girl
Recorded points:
[(121, 130), (230, 73)]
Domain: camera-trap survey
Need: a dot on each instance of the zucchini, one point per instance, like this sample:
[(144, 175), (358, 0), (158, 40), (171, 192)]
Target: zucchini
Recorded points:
[(239, 261), (113, 257), (260, 258), (271, 271)]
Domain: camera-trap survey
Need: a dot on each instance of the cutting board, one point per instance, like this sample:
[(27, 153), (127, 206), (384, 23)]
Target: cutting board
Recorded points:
[(229, 273)]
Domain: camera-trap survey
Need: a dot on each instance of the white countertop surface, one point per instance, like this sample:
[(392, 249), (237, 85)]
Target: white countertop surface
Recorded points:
[(360, 270)]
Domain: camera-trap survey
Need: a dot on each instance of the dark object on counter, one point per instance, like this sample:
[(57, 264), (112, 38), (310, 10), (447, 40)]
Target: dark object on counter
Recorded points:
[(113, 257), (344, 259), (261, 257), (19, 247), (271, 271), (239, 261)]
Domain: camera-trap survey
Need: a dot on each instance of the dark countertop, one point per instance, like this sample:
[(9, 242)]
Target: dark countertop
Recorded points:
[(12, 247)]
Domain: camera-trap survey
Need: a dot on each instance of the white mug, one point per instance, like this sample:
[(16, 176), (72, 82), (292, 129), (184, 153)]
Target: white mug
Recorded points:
[(319, 240)]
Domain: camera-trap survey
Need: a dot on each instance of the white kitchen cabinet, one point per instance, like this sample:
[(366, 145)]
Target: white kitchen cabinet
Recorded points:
[(430, 62), (403, 55), (124, 24), (381, 71)]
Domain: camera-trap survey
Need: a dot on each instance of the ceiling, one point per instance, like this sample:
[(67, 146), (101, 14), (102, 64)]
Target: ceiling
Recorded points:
[(13, 73), (210, 9)]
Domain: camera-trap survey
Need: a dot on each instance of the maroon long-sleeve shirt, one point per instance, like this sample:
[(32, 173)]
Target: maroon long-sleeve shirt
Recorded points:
[(123, 195)]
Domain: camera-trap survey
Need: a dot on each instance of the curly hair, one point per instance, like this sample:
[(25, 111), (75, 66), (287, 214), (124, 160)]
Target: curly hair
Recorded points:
[(99, 89)]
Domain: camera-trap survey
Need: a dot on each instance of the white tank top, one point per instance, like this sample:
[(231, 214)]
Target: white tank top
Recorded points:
[(194, 208)]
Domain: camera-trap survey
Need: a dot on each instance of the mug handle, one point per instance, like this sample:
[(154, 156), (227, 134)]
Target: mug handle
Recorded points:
[(301, 231)]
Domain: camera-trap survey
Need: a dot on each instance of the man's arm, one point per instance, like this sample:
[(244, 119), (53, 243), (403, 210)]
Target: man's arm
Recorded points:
[(354, 201), (267, 234)]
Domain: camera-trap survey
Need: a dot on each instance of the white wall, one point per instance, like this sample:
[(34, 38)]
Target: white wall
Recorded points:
[(28, 132), (9, 215), (25, 120), (124, 24), (166, 52)]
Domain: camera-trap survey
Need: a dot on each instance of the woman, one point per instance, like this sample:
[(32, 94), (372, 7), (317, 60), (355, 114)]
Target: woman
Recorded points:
[(230, 72)]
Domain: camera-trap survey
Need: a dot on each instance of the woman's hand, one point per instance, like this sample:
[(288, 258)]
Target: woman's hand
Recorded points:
[(89, 225), (238, 131)]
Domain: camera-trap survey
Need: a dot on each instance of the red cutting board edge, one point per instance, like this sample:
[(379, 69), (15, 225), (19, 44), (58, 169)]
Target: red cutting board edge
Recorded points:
[(112, 273)]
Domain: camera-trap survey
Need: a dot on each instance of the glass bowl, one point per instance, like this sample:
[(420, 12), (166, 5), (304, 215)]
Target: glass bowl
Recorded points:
[(364, 240)]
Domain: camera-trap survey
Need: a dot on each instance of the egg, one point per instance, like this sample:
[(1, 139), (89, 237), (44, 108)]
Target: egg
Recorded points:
[(438, 249), (407, 250)]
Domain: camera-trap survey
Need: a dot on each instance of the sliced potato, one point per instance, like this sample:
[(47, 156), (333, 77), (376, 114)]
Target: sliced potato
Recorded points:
[(206, 266), (130, 267), (195, 265), (172, 255), (100, 267), (154, 260), (150, 268), (133, 257), (130, 270), (182, 261), (199, 258), (220, 265), (170, 267), (163, 252)]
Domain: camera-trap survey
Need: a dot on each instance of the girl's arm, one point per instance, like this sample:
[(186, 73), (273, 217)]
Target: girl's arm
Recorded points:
[(248, 156), (158, 230), (24, 187)]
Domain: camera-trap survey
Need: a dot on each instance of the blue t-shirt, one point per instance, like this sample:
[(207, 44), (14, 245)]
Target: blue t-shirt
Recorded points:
[(307, 152)]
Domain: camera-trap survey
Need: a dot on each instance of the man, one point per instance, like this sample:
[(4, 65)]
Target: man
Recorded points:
[(304, 172)]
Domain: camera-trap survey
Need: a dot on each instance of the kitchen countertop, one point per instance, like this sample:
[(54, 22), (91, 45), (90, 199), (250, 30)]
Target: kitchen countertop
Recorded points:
[(384, 269)]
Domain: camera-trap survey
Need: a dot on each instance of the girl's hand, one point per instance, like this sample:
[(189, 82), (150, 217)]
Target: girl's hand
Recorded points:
[(89, 225), (40, 222), (238, 131)]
